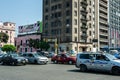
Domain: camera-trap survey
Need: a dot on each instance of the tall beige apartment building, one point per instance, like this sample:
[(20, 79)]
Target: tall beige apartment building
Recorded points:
[(101, 24), (9, 29), (79, 25)]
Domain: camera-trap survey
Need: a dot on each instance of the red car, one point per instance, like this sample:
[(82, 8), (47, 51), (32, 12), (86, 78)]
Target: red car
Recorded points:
[(64, 58)]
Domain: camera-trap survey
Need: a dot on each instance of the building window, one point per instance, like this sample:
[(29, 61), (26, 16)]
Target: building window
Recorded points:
[(75, 21), (89, 25), (75, 4), (67, 30), (25, 49), (90, 33), (89, 10), (68, 39), (90, 2), (75, 48), (90, 40), (76, 39), (75, 29), (46, 10), (67, 13), (20, 49), (46, 25), (67, 21), (30, 49), (75, 13), (89, 17), (59, 6), (67, 4), (6, 31), (59, 14), (46, 2), (46, 17), (15, 43), (67, 48), (21, 42)]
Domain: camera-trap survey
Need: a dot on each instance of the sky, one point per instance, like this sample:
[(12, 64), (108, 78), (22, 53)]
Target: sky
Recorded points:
[(21, 12)]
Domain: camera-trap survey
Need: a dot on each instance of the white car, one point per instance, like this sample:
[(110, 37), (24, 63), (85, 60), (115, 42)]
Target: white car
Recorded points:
[(98, 61), (35, 58)]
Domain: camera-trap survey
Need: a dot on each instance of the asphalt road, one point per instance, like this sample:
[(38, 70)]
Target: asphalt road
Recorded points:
[(51, 72)]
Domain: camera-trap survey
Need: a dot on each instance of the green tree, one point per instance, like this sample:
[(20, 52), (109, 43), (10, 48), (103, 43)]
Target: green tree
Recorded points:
[(44, 45), (8, 48), (35, 43), (4, 37)]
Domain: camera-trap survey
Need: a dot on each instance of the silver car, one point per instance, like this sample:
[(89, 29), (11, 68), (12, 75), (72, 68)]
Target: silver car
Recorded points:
[(35, 58), (98, 61)]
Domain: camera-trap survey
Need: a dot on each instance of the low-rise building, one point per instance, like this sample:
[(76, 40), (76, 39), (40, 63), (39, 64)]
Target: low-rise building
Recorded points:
[(26, 32), (9, 29)]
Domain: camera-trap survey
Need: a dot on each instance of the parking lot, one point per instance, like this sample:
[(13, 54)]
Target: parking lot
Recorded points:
[(51, 72)]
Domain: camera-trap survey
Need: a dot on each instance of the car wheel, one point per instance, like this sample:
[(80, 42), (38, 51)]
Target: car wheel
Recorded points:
[(70, 62), (55, 61), (115, 70), (83, 68)]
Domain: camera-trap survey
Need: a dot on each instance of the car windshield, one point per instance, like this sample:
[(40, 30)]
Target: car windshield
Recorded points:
[(40, 54), (111, 56), (36, 55), (15, 55)]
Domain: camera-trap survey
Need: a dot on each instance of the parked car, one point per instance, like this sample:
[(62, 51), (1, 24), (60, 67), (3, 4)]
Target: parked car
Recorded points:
[(13, 59), (51, 54), (64, 58), (1, 55), (115, 53), (98, 61), (44, 53), (35, 58)]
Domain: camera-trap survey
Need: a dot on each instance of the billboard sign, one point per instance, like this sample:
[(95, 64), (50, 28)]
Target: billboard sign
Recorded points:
[(32, 28)]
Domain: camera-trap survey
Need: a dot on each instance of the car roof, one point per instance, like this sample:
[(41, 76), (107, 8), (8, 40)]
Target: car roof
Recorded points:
[(29, 52), (91, 53)]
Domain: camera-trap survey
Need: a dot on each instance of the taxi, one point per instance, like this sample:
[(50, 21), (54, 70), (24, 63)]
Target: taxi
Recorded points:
[(98, 61)]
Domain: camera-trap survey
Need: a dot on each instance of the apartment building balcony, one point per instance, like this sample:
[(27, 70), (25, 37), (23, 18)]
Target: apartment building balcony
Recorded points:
[(84, 11), (103, 40), (103, 3), (84, 28), (103, 27), (103, 21), (102, 45), (83, 40), (84, 21), (84, 36), (104, 34), (103, 15), (84, 3), (103, 10)]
